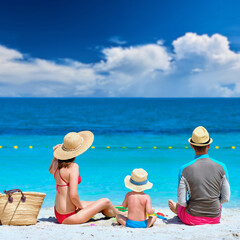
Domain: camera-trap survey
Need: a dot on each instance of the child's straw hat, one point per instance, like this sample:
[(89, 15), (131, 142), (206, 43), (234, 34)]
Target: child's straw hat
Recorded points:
[(138, 180), (74, 144)]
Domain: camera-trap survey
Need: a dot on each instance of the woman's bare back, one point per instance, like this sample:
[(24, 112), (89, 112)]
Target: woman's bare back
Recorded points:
[(63, 202)]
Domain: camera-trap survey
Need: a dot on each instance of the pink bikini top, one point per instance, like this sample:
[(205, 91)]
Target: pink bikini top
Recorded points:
[(67, 184)]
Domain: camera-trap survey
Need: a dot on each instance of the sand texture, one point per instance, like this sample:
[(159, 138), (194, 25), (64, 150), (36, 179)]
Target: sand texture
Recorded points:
[(48, 228)]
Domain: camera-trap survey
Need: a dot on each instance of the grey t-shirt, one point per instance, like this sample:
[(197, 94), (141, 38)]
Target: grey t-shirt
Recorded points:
[(203, 186)]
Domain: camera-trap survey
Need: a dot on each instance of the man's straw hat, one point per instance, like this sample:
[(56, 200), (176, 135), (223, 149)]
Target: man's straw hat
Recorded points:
[(200, 137), (138, 180), (74, 144)]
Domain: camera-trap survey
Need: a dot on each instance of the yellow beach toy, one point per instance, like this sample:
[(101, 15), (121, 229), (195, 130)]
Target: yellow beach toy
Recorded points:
[(151, 215), (158, 215)]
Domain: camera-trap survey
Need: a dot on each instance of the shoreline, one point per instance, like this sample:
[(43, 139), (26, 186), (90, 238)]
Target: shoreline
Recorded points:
[(47, 227)]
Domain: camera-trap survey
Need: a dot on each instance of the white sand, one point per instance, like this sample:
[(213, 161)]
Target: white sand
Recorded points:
[(48, 228)]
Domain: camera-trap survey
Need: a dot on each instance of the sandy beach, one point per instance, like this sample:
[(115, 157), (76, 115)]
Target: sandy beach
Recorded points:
[(48, 228)]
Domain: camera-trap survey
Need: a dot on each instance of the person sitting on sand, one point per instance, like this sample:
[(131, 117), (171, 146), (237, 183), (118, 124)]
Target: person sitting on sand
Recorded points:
[(205, 181), (68, 207), (137, 201)]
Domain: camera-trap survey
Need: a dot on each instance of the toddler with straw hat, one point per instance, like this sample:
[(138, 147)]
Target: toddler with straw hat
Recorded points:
[(137, 201)]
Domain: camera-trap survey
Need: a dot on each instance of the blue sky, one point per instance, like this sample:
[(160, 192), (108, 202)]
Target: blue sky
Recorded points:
[(120, 48)]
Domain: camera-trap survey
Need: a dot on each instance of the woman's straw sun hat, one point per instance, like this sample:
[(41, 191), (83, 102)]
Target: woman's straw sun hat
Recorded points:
[(138, 180), (200, 137), (74, 144)]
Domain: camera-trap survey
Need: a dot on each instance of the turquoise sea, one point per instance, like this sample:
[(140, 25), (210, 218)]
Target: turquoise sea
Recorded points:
[(130, 127)]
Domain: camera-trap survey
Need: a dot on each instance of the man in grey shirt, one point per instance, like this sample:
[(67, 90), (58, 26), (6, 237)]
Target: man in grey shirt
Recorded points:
[(203, 184)]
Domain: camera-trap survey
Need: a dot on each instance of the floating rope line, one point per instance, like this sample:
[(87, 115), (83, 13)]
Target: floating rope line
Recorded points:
[(131, 148)]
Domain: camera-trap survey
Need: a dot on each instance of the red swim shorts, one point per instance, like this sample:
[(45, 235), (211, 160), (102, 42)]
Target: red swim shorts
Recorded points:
[(193, 220)]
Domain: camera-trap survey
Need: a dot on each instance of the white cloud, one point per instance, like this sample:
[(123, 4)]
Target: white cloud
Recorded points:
[(9, 54), (196, 70), (198, 66), (140, 59), (214, 66), (128, 70), (160, 42), (117, 40), (215, 48)]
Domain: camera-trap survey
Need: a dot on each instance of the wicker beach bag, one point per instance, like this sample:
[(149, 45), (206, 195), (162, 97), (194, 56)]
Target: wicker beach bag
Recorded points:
[(20, 208)]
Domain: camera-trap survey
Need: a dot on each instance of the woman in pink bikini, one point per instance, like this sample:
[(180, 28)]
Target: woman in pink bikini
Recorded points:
[(68, 207)]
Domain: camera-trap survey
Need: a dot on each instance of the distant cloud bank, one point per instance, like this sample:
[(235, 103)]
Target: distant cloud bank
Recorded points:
[(197, 66)]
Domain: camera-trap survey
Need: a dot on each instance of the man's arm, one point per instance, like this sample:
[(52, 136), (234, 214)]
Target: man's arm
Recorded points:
[(225, 191), (182, 192)]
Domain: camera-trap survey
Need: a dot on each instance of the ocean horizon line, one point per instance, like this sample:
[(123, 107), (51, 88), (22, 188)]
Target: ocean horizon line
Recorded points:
[(23, 97)]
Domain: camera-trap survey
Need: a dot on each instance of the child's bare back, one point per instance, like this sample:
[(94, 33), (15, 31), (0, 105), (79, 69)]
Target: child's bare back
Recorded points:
[(138, 204)]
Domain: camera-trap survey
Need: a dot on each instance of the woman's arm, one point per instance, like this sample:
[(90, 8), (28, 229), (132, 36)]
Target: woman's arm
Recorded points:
[(51, 168), (73, 186)]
